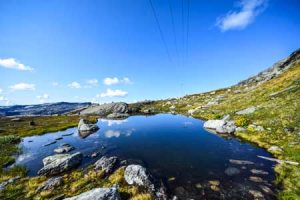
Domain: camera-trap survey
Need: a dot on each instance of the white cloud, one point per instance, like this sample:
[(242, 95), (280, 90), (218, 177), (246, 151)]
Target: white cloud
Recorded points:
[(93, 82), (43, 98), (12, 63), (22, 86), (111, 133), (114, 122), (113, 93), (242, 18), (55, 84), (115, 80), (1, 90), (74, 85), (4, 99)]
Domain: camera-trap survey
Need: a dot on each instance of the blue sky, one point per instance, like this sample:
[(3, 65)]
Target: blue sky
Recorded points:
[(112, 50)]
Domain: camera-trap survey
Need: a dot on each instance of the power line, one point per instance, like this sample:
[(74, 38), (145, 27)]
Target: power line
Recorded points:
[(183, 35), (188, 28), (173, 28), (160, 30)]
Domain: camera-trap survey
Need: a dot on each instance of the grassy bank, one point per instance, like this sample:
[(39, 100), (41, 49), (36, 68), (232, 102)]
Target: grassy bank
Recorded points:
[(277, 111), (13, 129)]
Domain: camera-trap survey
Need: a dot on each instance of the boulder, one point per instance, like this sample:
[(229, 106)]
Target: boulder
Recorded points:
[(214, 124), (220, 126), (64, 148), (137, 175), (105, 109), (246, 111), (106, 164), (98, 194), (228, 127), (60, 163), (50, 184), (85, 126)]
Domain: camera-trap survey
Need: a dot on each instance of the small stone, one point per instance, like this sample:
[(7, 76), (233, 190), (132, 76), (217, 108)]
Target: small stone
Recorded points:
[(171, 179), (241, 162), (58, 138), (214, 182), (256, 179), (215, 188), (260, 172), (256, 194), (231, 171), (275, 149), (49, 143), (198, 185)]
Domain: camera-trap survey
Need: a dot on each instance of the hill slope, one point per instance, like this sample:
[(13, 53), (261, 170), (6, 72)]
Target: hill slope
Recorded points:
[(272, 101)]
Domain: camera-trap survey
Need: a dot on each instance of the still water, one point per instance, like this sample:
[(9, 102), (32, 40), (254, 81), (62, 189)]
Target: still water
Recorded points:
[(192, 162)]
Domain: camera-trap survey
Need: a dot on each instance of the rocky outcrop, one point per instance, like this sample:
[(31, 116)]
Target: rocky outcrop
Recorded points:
[(64, 148), (98, 194), (273, 71), (105, 109), (106, 164), (85, 126), (60, 163), (50, 184)]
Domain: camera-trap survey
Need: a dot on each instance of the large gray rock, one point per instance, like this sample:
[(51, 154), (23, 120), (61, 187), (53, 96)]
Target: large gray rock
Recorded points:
[(106, 164), (137, 175), (50, 184), (85, 126), (214, 124), (60, 163), (246, 111), (98, 194), (105, 109), (220, 126)]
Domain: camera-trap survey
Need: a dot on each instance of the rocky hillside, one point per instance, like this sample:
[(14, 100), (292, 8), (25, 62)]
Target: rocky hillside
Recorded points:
[(41, 109), (265, 108)]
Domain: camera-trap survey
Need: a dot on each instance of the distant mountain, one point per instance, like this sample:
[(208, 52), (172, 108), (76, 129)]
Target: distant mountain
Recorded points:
[(41, 109)]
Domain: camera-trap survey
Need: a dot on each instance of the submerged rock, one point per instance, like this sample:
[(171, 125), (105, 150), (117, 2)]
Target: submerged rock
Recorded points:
[(64, 148), (241, 162), (60, 163), (106, 164), (49, 143), (85, 126), (98, 194), (231, 171), (50, 184)]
